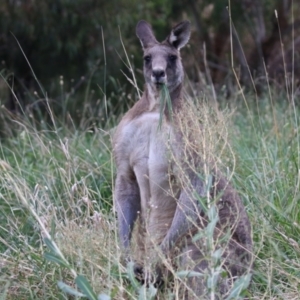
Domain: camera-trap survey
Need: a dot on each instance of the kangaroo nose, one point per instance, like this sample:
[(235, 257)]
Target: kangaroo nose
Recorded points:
[(158, 74)]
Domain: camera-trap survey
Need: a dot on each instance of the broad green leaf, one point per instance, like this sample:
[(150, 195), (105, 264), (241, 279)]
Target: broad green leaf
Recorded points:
[(147, 293), (198, 236), (240, 285), (211, 227), (57, 259), (131, 275), (209, 183), (50, 245), (69, 290), (216, 256), (85, 287), (212, 213), (213, 279)]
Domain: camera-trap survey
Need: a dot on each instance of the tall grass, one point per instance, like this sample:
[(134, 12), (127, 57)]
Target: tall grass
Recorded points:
[(59, 182), (267, 149)]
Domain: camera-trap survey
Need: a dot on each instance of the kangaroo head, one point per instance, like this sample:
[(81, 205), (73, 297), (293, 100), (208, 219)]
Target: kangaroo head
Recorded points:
[(162, 62)]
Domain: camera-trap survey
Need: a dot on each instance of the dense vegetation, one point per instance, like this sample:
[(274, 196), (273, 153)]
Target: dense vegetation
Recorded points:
[(57, 223), (77, 42), (58, 182)]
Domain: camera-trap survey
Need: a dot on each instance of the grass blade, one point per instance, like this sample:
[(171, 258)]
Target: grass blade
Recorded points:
[(85, 287)]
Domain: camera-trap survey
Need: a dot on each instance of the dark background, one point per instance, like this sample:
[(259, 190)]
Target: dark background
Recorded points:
[(75, 50)]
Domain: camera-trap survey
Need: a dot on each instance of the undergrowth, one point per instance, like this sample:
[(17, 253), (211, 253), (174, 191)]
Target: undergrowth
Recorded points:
[(58, 225)]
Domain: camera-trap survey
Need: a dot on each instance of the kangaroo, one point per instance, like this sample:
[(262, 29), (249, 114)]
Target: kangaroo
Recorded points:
[(166, 220)]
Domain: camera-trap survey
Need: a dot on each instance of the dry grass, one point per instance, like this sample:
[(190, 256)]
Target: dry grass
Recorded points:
[(60, 182)]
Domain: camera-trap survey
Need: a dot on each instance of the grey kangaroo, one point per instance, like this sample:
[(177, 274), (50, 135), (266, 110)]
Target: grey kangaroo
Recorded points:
[(166, 220)]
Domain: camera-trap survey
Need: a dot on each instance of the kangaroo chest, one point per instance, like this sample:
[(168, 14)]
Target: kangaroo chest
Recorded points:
[(147, 148)]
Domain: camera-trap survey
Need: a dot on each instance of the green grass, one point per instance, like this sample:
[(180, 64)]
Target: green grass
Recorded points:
[(268, 175), (60, 182)]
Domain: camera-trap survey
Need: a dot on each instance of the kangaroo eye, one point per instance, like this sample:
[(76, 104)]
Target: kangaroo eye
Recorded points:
[(172, 57), (147, 58)]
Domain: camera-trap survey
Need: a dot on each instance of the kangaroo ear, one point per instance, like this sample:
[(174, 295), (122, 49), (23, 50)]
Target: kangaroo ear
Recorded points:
[(180, 34), (145, 34)]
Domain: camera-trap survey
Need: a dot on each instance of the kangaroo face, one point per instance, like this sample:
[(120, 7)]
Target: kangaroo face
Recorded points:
[(162, 62), (162, 66)]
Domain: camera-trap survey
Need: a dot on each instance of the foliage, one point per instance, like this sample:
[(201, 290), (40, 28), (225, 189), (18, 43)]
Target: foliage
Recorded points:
[(252, 41), (73, 42), (68, 40), (59, 182)]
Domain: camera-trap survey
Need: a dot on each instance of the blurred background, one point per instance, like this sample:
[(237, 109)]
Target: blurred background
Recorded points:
[(67, 53)]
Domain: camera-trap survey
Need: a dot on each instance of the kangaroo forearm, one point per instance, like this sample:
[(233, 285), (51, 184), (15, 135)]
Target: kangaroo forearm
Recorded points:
[(178, 228), (186, 215)]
